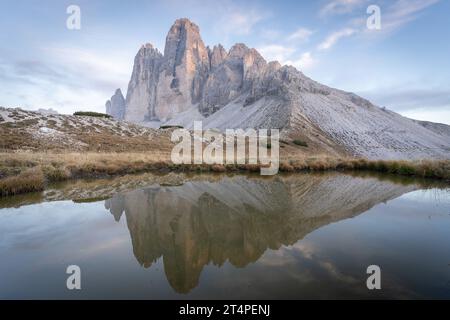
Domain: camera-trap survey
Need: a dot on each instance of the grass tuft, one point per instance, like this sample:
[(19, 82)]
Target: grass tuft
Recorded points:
[(300, 143), (27, 181)]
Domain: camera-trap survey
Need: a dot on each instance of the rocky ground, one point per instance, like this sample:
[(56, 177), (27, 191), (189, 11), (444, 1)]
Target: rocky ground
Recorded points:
[(23, 130)]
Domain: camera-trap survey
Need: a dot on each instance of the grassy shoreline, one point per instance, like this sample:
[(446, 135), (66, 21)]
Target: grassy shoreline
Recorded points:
[(24, 172)]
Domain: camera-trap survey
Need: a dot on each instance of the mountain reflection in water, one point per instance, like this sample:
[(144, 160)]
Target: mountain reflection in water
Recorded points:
[(237, 219)]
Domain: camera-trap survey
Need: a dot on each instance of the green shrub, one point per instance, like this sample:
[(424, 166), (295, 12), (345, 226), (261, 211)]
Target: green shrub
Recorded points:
[(92, 114), (170, 127), (393, 167), (300, 143), (406, 169)]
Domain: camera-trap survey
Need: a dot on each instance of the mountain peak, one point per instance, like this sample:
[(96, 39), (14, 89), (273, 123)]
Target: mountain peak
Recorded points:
[(238, 50), (185, 23), (148, 50), (147, 46), (217, 55), (184, 36), (116, 105)]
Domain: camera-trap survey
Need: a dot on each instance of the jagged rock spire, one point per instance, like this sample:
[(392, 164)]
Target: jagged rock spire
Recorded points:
[(116, 106)]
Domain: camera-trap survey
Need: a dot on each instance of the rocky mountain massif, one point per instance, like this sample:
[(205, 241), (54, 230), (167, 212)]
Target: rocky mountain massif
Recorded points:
[(238, 88)]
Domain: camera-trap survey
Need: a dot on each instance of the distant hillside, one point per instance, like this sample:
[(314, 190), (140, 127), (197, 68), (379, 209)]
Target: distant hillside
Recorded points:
[(30, 130), (34, 131)]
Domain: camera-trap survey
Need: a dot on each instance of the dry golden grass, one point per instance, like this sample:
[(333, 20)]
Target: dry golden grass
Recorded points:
[(27, 181), (22, 172), (437, 169), (62, 166)]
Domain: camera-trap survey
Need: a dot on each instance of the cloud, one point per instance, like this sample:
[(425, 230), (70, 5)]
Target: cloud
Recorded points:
[(409, 99), (276, 52), (99, 64), (401, 12), (103, 70), (301, 34), (417, 103), (333, 38), (306, 61), (438, 116), (225, 17), (239, 22), (403, 8), (340, 7), (286, 56), (270, 34), (75, 67), (64, 78), (30, 68), (44, 93)]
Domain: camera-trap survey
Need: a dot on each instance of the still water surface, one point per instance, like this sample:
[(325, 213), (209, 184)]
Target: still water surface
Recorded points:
[(228, 237)]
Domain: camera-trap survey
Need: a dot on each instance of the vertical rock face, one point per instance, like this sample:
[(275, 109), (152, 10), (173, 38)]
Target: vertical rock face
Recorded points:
[(183, 72), (108, 107), (217, 56), (116, 106), (141, 95), (231, 75)]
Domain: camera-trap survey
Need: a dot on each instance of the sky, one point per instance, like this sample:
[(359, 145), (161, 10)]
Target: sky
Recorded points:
[(403, 66)]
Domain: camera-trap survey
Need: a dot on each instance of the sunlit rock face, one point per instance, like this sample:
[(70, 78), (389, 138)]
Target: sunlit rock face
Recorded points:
[(237, 219), (141, 94), (183, 72)]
